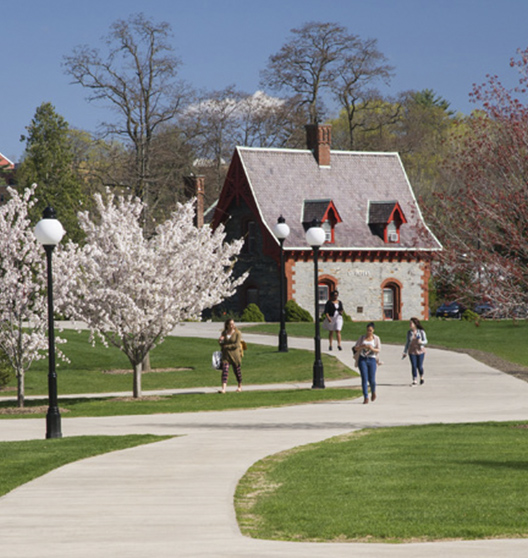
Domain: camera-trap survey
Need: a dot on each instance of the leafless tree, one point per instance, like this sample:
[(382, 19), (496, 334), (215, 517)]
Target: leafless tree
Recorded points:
[(324, 58), (137, 77), (361, 67)]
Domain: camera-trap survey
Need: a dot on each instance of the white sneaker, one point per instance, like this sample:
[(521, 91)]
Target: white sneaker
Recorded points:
[(414, 383)]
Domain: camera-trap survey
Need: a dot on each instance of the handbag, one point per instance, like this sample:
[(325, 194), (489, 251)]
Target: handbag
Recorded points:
[(216, 361), (244, 345)]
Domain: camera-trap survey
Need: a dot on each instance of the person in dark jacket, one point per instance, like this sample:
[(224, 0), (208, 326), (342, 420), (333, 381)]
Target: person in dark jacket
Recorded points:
[(333, 320)]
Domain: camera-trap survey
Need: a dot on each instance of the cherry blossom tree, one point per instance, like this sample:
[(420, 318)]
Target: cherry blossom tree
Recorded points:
[(483, 224), (132, 290), (23, 309)]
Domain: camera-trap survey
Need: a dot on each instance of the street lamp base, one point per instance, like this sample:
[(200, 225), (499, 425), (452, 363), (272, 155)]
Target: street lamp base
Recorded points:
[(53, 424), (283, 341), (318, 375)]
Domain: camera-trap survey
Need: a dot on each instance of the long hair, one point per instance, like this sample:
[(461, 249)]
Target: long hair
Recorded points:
[(226, 325), (417, 323)]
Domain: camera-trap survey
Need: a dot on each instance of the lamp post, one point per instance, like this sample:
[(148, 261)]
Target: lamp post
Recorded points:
[(49, 233), (281, 231), (315, 237)]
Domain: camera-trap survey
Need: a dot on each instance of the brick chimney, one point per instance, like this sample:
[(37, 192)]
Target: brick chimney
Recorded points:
[(195, 187), (318, 141)]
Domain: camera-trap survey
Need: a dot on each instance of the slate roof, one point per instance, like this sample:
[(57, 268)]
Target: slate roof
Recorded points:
[(314, 209), (380, 212), (281, 181)]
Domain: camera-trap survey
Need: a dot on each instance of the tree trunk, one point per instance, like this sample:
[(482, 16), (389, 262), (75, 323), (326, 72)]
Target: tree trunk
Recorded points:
[(20, 389), (137, 380), (146, 363)]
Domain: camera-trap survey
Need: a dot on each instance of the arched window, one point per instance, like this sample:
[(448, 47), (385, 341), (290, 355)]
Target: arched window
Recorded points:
[(391, 297), (326, 285)]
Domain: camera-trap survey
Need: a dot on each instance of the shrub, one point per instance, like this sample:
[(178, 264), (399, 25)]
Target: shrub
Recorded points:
[(252, 313), (294, 313), (470, 316)]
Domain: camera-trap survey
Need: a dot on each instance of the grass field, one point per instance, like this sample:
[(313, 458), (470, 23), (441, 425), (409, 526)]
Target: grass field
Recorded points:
[(88, 371), (420, 483), (505, 338)]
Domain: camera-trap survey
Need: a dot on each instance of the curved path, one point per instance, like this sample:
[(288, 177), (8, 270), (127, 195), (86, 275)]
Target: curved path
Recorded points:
[(175, 498)]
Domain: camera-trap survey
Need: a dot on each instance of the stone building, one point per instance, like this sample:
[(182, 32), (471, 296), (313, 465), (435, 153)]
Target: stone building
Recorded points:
[(378, 248)]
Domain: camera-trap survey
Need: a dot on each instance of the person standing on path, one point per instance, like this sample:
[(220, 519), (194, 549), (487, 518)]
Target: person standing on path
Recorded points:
[(231, 345), (367, 349), (333, 320), (415, 348)]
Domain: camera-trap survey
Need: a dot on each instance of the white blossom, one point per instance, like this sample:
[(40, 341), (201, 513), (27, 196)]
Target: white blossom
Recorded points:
[(132, 290), (23, 308)]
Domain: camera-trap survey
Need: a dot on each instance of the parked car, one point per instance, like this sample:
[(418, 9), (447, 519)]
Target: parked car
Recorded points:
[(450, 310), (484, 309)]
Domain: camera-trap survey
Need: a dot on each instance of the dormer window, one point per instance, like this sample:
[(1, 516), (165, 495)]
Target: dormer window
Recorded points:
[(385, 220), (325, 211)]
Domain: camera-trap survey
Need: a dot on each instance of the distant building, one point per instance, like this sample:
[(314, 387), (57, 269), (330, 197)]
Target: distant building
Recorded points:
[(7, 176), (378, 247)]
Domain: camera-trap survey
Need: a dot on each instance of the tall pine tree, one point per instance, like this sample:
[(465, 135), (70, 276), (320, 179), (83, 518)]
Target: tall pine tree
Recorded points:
[(48, 162)]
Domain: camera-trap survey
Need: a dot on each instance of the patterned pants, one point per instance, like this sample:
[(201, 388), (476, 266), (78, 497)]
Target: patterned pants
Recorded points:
[(225, 372)]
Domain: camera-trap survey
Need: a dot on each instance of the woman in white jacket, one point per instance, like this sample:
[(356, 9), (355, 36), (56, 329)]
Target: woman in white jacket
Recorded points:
[(415, 348)]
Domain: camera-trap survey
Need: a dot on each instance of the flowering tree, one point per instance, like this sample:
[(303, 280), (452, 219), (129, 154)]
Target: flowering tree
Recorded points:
[(484, 223), (23, 309), (133, 290)]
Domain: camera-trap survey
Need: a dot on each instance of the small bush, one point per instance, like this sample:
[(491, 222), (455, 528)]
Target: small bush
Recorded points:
[(294, 313), (6, 370), (470, 316), (346, 317), (252, 313)]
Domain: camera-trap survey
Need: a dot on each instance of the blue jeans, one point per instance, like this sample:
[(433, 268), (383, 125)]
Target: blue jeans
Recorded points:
[(417, 365), (367, 368)]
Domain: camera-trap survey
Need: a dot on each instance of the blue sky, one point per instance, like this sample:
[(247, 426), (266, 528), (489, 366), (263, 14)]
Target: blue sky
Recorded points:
[(444, 45)]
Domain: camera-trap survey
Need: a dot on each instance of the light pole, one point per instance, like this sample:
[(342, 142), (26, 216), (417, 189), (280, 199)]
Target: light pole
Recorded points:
[(49, 233), (315, 237), (281, 231)]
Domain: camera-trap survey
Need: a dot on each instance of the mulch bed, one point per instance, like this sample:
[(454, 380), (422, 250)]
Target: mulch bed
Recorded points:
[(152, 370)]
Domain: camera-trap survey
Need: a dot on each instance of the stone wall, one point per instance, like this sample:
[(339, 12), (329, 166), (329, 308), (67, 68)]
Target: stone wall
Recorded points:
[(360, 286)]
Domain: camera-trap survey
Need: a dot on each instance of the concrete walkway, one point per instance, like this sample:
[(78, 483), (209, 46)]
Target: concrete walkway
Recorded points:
[(175, 498)]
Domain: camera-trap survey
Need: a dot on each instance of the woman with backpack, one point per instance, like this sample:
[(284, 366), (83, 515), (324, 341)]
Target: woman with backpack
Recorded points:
[(415, 348)]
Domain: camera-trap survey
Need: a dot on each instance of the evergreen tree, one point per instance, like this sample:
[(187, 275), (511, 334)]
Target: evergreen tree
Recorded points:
[(48, 161)]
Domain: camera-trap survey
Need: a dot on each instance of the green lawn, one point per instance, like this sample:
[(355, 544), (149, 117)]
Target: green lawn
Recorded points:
[(182, 403), (420, 483), (21, 462), (86, 371), (504, 338)]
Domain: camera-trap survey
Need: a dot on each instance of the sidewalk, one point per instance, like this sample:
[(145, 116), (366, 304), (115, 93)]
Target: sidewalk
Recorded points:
[(175, 498)]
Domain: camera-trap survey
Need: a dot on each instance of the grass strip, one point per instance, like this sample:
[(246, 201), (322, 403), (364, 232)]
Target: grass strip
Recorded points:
[(180, 403), (418, 483), (21, 462)]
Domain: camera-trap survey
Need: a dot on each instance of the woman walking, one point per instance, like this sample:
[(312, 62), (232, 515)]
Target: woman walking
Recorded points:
[(416, 341), (367, 350), (333, 312), (231, 345)]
